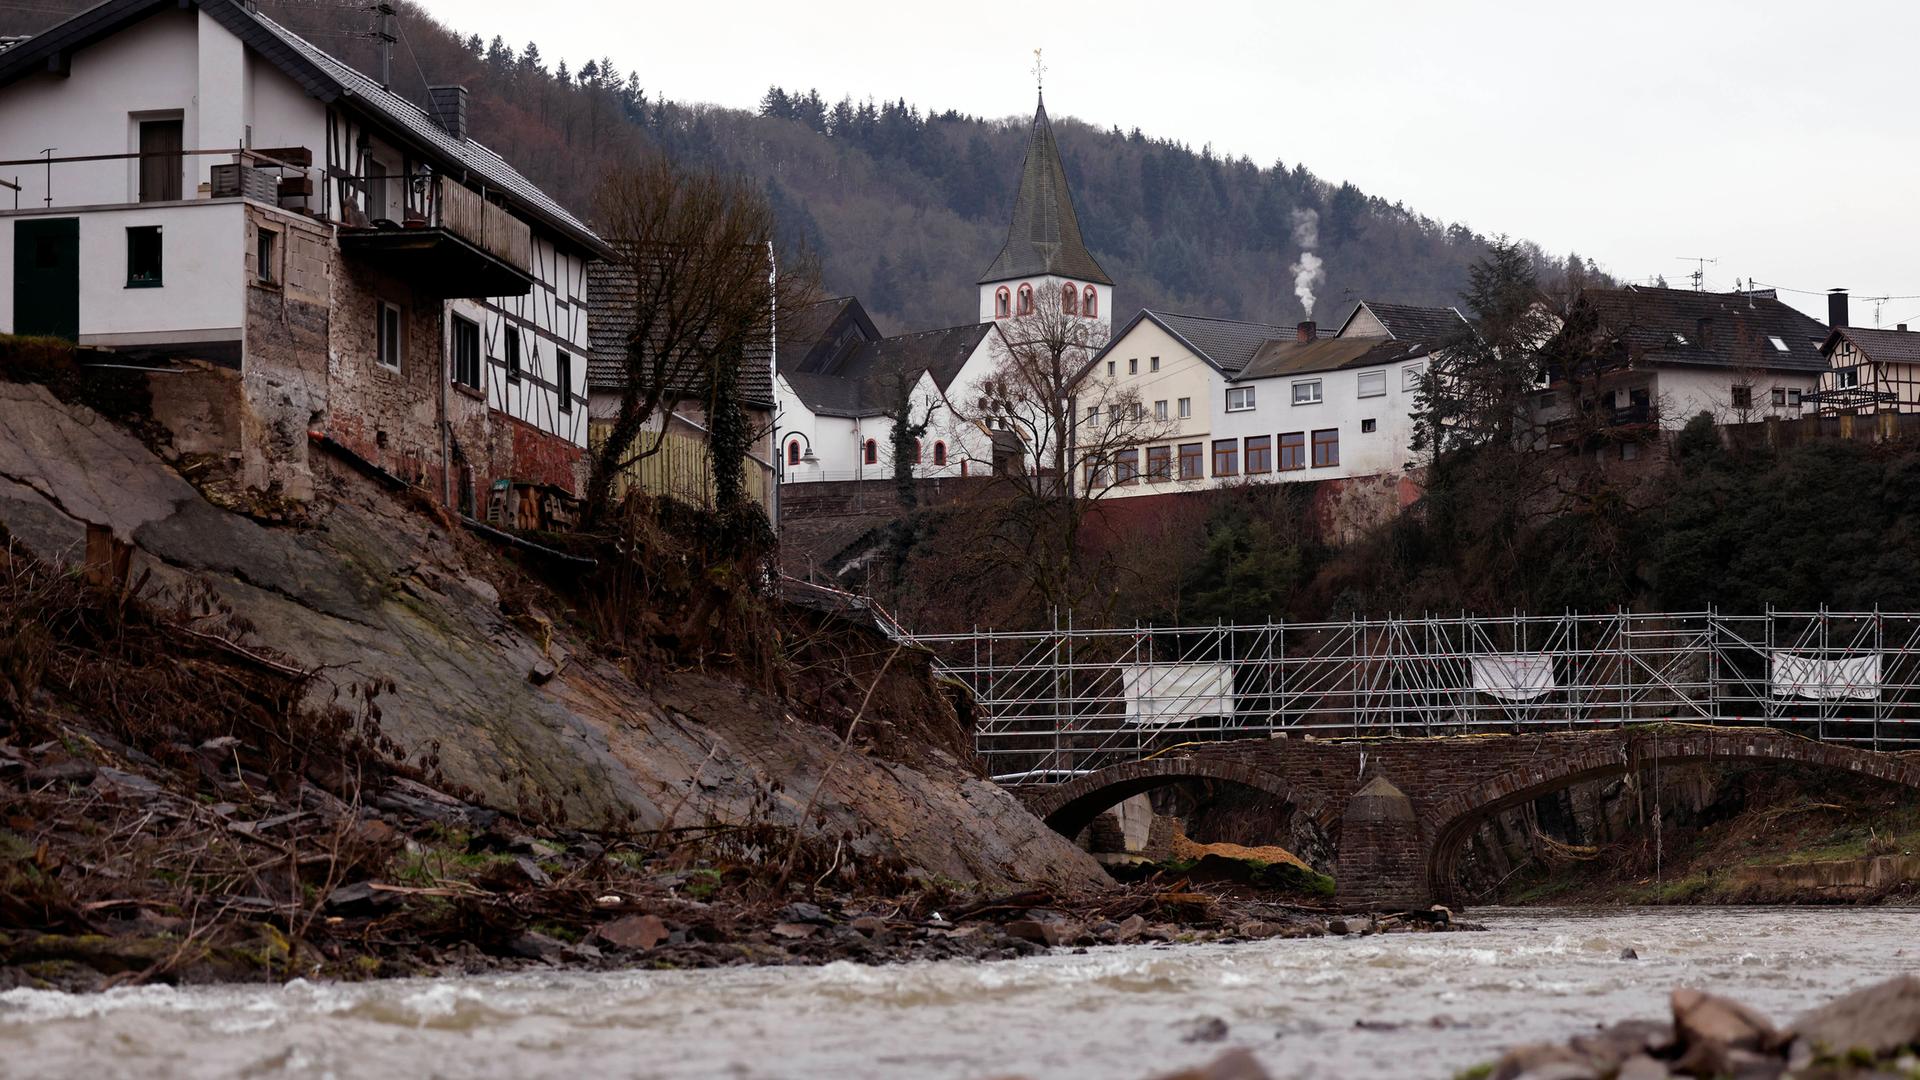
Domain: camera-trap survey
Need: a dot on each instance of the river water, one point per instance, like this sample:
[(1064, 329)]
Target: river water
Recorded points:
[(1412, 1005)]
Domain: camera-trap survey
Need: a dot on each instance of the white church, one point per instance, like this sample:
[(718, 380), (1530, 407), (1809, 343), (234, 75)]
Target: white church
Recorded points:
[(836, 372)]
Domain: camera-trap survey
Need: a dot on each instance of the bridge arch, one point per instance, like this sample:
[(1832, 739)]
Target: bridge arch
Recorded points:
[(1456, 817), (1070, 807)]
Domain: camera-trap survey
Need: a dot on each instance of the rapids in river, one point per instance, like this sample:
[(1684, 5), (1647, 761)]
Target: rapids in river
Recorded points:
[(1404, 1005)]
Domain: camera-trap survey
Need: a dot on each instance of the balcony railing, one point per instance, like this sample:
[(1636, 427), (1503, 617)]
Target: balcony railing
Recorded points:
[(450, 241)]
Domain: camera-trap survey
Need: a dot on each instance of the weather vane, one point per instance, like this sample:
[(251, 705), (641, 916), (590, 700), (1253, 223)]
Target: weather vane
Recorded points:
[(1039, 71)]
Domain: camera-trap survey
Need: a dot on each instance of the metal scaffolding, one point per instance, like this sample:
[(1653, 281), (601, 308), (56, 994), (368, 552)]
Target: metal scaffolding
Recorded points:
[(1059, 702)]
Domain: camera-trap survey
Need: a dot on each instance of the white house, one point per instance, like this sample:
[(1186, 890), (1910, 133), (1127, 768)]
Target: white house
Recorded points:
[(304, 249)]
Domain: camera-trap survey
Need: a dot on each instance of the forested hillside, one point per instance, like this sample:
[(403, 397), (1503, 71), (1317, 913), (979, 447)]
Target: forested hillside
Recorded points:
[(906, 207)]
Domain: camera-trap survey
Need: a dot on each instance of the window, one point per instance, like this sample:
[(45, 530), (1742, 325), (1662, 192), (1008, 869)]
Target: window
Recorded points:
[(1326, 448), (1293, 451), (466, 352), (563, 375), (1846, 377), (1160, 409), (1002, 302), (1226, 457), (1093, 415), (1190, 468), (1069, 299), (1026, 299), (1126, 466), (1410, 376), (1367, 426), (387, 333), (1186, 407), (160, 160), (939, 454), (1779, 397), (1779, 346), (793, 452), (1096, 472), (266, 270), (1742, 397), (870, 452), (1259, 454), (1112, 368), (1133, 365), (1239, 398), (1153, 363), (143, 257), (1307, 393), (511, 342), (1091, 307), (1159, 463), (1373, 383), (1793, 398)]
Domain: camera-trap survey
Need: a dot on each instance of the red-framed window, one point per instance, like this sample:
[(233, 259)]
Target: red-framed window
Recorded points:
[(1326, 448), (1090, 306), (793, 452), (1069, 299), (1026, 299), (1226, 457), (1259, 454), (1002, 303), (916, 451), (870, 453), (939, 453), (1293, 451)]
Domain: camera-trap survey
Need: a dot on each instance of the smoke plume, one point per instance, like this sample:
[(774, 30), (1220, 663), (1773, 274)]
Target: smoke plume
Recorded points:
[(1306, 270)]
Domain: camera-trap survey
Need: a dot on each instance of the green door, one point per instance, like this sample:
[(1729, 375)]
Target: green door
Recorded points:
[(46, 277)]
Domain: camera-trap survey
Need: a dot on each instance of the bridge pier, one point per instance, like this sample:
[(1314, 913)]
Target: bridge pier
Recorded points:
[(1382, 864)]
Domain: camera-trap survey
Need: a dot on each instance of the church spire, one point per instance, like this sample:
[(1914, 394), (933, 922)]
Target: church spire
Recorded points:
[(1045, 235)]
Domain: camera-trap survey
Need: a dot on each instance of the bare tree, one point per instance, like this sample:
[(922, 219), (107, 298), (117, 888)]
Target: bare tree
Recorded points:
[(895, 383), (1080, 436), (694, 247)]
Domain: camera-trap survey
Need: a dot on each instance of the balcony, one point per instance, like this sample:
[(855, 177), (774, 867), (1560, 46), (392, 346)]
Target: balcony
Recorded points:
[(449, 243)]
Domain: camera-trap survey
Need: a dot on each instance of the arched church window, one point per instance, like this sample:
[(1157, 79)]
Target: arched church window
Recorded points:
[(1002, 303), (916, 451), (871, 453), (1026, 299), (939, 454), (793, 452), (1069, 299), (1092, 306)]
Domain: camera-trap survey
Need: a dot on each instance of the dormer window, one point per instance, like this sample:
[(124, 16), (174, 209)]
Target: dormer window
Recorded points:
[(1026, 300), (1002, 303)]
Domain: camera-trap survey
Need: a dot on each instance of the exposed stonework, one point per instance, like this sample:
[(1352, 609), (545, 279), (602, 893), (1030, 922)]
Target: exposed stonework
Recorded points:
[(1453, 784)]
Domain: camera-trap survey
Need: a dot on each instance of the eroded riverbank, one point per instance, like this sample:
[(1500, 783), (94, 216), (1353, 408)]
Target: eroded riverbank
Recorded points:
[(1381, 1006)]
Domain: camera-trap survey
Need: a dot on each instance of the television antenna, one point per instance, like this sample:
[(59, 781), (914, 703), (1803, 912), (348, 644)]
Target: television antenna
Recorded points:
[(1699, 274)]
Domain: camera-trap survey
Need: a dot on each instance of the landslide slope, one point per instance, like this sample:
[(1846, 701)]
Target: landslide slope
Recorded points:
[(373, 589)]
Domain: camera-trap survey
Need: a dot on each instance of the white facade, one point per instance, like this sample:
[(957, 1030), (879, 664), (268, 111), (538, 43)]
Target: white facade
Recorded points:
[(1002, 299), (1367, 410), (1166, 376)]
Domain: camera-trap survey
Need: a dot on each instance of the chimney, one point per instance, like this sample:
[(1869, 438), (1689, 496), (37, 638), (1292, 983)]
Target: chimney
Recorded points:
[(1902, 327), (383, 14), (448, 104), (1306, 331), (1836, 308)]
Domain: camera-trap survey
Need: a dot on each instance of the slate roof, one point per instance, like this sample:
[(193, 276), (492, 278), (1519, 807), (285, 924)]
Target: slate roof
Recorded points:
[(1884, 346), (611, 296), (1407, 322), (324, 77), (1662, 326), (803, 328), (831, 395), (1227, 344), (856, 386), (1044, 237), (1277, 358)]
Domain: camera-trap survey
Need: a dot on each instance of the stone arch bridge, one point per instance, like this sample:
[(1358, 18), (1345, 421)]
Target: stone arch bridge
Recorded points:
[(1404, 809)]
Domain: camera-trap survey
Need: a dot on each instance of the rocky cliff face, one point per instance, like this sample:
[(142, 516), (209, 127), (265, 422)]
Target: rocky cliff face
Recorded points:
[(373, 588)]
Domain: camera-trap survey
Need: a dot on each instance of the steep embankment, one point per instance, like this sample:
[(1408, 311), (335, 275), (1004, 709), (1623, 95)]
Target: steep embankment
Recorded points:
[(372, 588)]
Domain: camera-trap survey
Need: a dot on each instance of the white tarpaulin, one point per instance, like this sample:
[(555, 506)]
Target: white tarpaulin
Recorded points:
[(1855, 677), (1160, 694), (1514, 676)]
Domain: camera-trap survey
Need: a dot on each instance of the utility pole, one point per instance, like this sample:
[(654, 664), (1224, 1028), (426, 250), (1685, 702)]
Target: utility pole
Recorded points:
[(1699, 274)]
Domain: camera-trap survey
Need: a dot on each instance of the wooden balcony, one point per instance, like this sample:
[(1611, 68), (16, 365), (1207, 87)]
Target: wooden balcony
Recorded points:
[(455, 245)]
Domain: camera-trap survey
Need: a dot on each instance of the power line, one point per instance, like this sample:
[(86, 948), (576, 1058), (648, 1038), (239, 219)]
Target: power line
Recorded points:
[(1823, 292)]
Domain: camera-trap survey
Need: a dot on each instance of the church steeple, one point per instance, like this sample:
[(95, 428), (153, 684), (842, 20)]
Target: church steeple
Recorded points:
[(1044, 238)]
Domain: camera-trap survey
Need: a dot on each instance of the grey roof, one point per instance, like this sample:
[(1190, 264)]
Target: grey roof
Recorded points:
[(612, 293), (816, 336), (1662, 326), (324, 77), (831, 395), (1045, 235), (1408, 322), (1227, 344), (857, 385), (1291, 357), (1885, 346)]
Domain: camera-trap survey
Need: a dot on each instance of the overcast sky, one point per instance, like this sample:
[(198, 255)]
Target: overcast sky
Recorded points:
[(1772, 135)]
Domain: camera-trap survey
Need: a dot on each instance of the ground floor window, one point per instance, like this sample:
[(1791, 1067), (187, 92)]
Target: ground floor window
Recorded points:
[(1293, 451), (143, 257), (1190, 462), (1126, 466), (1226, 457), (1159, 463), (1259, 454), (466, 352), (1326, 448), (870, 454), (939, 454)]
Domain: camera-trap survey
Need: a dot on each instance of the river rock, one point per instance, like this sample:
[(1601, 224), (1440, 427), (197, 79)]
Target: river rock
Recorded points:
[(1038, 932), (636, 932), (1232, 1065), (1878, 1019), (1701, 1017), (1642, 1067), (795, 931), (1205, 1029), (1613, 1045), (536, 946), (871, 925), (1545, 1061), (803, 913)]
